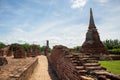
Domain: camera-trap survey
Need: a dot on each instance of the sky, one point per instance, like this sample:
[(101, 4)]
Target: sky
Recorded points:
[(62, 22)]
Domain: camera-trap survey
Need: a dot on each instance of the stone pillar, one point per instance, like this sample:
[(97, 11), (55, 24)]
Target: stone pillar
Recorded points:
[(46, 48)]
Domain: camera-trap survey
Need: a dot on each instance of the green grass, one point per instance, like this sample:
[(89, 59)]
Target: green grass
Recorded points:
[(112, 66)]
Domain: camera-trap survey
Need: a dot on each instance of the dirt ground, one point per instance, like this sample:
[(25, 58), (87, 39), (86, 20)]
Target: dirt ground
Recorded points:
[(15, 67), (43, 71)]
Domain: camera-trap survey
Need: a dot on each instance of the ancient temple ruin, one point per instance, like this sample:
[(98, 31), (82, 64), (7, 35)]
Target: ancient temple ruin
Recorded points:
[(92, 43), (77, 66), (19, 52), (34, 50)]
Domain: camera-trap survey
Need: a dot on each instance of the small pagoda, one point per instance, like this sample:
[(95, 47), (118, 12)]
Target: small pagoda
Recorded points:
[(92, 44)]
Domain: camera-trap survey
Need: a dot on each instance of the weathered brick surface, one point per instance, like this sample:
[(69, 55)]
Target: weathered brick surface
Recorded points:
[(115, 57), (93, 44), (33, 51), (9, 51), (77, 67), (63, 66), (18, 69), (19, 52), (3, 61), (5, 51), (1, 52), (46, 50)]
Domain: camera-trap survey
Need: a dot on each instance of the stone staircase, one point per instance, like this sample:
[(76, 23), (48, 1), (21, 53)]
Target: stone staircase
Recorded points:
[(78, 66), (89, 66)]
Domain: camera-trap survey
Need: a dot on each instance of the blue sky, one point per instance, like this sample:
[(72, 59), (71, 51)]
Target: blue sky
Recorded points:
[(59, 21)]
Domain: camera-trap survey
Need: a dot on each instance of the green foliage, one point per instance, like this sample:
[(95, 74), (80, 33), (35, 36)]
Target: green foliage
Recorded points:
[(49, 49), (112, 44), (38, 46), (26, 46), (114, 51), (13, 46), (43, 48), (113, 66), (77, 49), (2, 45), (116, 46)]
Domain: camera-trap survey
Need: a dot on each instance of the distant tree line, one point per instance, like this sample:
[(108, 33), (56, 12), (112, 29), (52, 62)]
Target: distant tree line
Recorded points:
[(2, 45), (25, 46), (113, 46)]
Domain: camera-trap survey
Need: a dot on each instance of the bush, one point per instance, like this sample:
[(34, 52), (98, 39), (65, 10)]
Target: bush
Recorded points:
[(77, 49), (114, 51)]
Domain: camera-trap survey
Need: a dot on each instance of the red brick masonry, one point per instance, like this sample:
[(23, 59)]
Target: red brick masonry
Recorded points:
[(77, 67)]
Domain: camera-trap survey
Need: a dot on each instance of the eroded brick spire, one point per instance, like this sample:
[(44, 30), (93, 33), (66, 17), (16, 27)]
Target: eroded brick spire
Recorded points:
[(91, 23), (93, 44)]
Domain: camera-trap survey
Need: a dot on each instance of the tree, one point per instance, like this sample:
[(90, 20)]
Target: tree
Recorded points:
[(13, 46), (26, 46), (43, 48), (77, 48), (112, 44), (2, 45)]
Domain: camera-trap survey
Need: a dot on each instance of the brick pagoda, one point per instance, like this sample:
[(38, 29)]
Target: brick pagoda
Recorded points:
[(92, 43)]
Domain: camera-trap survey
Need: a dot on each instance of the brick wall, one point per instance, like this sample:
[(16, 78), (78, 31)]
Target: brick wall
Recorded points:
[(25, 75), (28, 72), (77, 67), (61, 63)]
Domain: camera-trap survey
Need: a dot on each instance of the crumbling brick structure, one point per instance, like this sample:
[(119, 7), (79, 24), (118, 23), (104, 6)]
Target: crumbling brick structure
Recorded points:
[(33, 51), (77, 67), (3, 61), (93, 44), (63, 65), (18, 69), (6, 51), (1, 52), (19, 52), (63, 68), (9, 52)]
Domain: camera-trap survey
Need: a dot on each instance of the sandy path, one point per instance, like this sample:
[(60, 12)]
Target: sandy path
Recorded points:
[(41, 71)]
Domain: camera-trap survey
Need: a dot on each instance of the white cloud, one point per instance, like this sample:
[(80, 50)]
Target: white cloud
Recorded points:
[(41, 32), (109, 26), (59, 29), (103, 1), (78, 3)]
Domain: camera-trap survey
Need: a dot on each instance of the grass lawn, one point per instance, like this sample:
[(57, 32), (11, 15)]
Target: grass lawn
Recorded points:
[(112, 66)]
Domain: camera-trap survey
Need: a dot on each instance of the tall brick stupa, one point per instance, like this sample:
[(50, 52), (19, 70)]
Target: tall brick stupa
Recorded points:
[(92, 44)]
